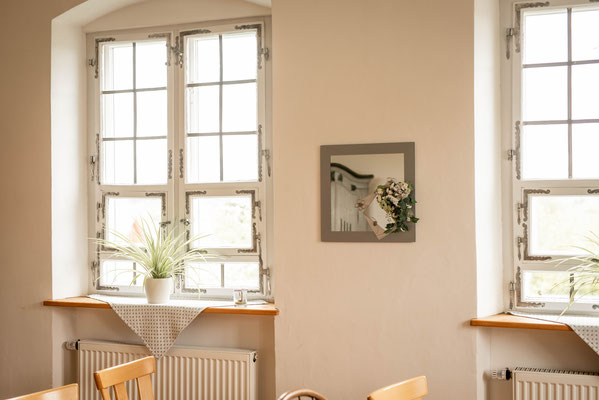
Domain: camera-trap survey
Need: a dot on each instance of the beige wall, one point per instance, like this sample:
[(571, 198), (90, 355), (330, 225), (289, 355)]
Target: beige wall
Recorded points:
[(25, 208), (355, 317)]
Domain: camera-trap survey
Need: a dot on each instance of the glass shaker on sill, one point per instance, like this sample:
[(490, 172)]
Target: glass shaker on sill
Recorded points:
[(240, 297)]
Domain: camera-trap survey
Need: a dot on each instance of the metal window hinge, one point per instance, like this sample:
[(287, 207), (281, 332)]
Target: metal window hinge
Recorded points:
[(98, 211), (177, 49), (265, 52), (258, 205), (512, 290), (266, 155), (511, 154), (170, 164), (516, 151), (167, 36), (92, 163), (519, 242), (181, 165), (517, 288), (94, 62), (519, 208), (510, 33)]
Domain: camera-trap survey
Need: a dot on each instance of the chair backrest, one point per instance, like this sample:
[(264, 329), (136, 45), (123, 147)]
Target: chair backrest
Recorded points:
[(301, 393), (117, 376), (412, 389), (68, 392)]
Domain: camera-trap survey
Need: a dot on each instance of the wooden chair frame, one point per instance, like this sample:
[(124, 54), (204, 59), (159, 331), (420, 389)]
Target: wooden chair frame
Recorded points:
[(68, 392), (116, 377), (412, 389), (299, 393)]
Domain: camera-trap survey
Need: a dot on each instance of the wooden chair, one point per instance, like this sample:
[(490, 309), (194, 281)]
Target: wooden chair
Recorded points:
[(299, 393), (68, 392), (117, 376), (412, 389)]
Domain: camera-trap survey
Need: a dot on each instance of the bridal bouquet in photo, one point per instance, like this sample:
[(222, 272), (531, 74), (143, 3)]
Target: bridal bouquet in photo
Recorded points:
[(394, 198)]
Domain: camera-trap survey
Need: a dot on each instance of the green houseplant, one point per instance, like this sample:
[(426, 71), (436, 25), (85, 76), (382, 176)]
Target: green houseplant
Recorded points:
[(584, 275), (160, 256)]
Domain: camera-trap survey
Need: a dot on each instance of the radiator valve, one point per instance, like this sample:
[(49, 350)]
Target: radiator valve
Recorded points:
[(501, 374)]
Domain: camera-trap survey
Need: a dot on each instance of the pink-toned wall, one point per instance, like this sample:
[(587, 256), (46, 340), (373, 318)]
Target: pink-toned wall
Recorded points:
[(357, 316)]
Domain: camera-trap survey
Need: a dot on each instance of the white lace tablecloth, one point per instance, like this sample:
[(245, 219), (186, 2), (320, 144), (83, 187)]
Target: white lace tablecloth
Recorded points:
[(158, 325), (585, 327)]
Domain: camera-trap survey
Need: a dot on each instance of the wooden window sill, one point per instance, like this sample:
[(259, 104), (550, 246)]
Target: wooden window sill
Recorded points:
[(250, 309), (512, 321)]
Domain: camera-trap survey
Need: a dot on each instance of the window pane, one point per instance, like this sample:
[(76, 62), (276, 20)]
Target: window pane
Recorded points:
[(117, 273), (203, 159), (585, 91), (117, 162), (559, 223), (117, 115), (240, 56), (203, 109), (117, 66), (150, 64), (544, 93), (226, 220), (545, 37), (203, 274), (544, 152), (124, 215), (152, 117), (151, 162), (242, 276), (585, 34), (240, 158), (543, 285), (585, 142), (240, 110), (203, 59)]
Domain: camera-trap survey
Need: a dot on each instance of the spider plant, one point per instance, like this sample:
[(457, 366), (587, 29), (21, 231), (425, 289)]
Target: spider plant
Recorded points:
[(158, 254), (584, 276)]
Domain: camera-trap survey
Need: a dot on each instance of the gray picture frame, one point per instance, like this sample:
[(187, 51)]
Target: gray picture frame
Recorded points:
[(408, 149)]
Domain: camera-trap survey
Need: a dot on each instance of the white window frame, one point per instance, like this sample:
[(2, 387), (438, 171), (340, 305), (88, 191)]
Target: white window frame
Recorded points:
[(177, 190), (517, 191)]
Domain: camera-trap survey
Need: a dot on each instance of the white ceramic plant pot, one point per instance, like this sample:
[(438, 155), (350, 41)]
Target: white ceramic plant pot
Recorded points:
[(158, 291)]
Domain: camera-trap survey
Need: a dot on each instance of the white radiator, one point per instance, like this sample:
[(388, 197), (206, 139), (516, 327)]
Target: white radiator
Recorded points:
[(549, 384), (183, 373)]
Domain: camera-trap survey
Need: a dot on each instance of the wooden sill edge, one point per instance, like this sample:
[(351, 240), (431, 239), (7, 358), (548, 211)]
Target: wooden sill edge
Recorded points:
[(250, 309), (504, 320)]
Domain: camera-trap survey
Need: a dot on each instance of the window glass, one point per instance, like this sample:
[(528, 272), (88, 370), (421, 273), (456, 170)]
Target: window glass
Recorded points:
[(545, 37), (224, 221), (138, 110), (125, 214), (559, 225), (222, 102)]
